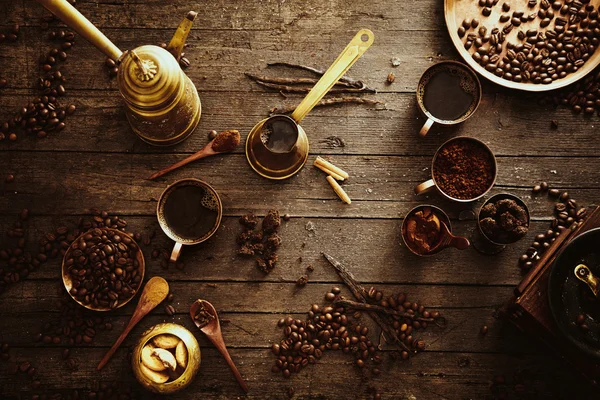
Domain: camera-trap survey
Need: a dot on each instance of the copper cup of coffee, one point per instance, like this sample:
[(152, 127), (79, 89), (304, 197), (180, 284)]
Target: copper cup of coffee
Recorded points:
[(463, 170), (448, 93), (189, 212)]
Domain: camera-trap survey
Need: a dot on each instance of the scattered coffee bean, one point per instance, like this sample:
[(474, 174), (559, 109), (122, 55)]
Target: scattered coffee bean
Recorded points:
[(170, 310), (391, 78), (484, 330)]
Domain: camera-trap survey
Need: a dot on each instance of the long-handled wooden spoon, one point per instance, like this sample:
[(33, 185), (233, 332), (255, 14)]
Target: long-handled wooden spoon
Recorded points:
[(155, 291), (225, 142), (211, 327)]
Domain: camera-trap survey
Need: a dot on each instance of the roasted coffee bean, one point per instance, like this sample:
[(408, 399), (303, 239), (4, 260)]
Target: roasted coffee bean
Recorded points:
[(554, 192), (170, 310)]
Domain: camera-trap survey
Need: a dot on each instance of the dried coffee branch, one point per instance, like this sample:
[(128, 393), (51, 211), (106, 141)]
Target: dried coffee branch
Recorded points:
[(361, 294), (295, 89), (327, 102), (353, 82), (294, 81), (440, 321)]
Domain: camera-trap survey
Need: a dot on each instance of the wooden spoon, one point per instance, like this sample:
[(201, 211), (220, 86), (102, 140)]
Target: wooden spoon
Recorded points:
[(213, 331), (224, 142), (448, 239), (155, 291)]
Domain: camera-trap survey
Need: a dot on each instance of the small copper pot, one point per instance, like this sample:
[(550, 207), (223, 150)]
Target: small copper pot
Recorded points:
[(441, 215)]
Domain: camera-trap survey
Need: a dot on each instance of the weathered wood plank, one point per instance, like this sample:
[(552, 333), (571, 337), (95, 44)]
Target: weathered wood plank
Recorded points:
[(220, 58), (270, 15), (509, 124), (380, 187), (427, 376), (257, 297), (258, 330), (371, 248)]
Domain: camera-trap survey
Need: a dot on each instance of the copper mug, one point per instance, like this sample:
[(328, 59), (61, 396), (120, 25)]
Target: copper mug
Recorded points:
[(469, 83), (210, 201), (432, 183)]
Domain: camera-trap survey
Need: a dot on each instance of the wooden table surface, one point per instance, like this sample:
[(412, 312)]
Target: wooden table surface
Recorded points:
[(98, 162)]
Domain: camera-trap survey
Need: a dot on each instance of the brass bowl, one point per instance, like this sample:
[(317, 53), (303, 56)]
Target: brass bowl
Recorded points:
[(68, 282), (193, 349)]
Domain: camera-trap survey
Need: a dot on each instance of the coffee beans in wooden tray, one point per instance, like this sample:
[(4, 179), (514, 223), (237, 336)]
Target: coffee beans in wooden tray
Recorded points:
[(103, 269), (533, 45)]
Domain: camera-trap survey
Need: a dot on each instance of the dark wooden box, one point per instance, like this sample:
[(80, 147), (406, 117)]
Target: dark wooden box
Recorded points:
[(529, 309)]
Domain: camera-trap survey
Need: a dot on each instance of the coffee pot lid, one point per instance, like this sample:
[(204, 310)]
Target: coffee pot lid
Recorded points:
[(149, 77)]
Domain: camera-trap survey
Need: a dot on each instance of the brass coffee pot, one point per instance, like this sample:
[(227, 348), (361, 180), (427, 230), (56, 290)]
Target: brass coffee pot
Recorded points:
[(162, 103)]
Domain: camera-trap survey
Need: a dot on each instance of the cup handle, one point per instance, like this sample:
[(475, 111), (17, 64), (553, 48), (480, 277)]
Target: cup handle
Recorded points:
[(426, 127), (176, 252), (424, 187)]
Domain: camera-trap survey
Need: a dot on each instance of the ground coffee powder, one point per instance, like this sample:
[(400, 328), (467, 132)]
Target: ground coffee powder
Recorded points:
[(464, 169)]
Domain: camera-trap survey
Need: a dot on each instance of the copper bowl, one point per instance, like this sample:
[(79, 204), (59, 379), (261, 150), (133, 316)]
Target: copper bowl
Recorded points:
[(68, 282), (440, 214)]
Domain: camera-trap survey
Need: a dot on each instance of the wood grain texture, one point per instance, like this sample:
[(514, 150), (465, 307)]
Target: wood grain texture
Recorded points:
[(98, 162)]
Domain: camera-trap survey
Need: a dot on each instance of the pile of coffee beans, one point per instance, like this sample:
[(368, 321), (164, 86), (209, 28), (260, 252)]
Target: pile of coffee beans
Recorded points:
[(538, 54), (405, 318), (44, 114), (326, 328), (16, 262), (22, 367), (582, 96), (203, 316), (75, 325), (263, 243), (104, 268), (334, 327), (567, 215)]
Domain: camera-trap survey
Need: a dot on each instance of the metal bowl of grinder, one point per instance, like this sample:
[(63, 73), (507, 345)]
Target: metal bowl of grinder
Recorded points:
[(277, 147), (569, 297)]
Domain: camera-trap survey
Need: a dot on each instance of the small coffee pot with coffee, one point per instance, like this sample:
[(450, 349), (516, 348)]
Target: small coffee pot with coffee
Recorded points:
[(162, 103)]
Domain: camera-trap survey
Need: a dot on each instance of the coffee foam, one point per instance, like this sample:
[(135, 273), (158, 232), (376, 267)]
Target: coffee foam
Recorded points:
[(210, 201)]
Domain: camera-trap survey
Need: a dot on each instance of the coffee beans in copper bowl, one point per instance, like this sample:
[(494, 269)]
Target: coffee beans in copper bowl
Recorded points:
[(103, 269), (464, 169), (503, 219)]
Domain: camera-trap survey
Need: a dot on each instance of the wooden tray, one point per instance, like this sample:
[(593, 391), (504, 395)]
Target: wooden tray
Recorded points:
[(456, 11)]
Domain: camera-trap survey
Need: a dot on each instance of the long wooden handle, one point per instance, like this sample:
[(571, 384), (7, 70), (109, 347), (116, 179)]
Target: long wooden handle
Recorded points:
[(233, 368), (74, 19), (340, 66), (132, 322), (205, 152), (223, 350)]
